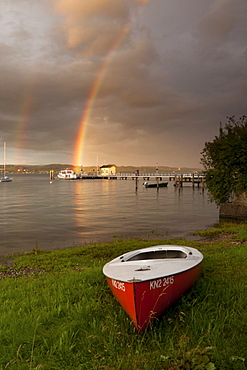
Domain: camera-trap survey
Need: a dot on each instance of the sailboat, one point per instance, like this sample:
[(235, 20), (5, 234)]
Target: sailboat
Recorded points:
[(5, 178)]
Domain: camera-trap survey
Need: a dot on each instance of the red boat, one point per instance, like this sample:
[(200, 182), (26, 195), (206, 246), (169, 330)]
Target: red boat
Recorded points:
[(147, 281)]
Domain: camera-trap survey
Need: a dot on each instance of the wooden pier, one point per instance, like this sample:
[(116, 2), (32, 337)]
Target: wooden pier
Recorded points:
[(179, 180)]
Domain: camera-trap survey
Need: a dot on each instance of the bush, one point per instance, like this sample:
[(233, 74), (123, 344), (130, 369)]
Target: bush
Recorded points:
[(225, 161)]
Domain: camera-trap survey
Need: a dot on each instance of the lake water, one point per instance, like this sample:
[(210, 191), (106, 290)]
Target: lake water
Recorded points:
[(37, 213)]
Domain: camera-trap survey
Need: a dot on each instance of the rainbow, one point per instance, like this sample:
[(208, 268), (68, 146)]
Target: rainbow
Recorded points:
[(78, 152), (25, 113)]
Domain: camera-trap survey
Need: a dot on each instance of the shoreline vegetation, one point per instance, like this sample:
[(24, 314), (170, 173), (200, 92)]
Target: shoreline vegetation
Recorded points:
[(57, 311)]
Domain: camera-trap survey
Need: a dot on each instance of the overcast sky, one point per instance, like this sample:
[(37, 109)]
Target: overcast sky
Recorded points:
[(169, 71)]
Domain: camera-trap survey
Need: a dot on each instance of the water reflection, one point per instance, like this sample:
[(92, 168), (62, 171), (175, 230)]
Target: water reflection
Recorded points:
[(35, 212), (92, 200)]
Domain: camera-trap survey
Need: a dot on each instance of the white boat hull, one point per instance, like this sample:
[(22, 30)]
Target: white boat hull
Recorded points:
[(6, 179)]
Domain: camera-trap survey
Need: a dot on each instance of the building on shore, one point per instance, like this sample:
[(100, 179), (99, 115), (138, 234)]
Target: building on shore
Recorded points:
[(109, 169)]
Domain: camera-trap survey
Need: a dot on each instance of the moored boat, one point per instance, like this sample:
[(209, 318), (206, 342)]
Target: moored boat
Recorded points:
[(147, 281), (157, 185), (67, 175), (6, 179)]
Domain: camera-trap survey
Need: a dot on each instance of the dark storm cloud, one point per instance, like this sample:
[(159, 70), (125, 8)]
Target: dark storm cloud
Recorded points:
[(176, 70)]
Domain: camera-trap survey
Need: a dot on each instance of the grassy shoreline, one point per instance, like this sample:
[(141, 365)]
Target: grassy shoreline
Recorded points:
[(57, 311)]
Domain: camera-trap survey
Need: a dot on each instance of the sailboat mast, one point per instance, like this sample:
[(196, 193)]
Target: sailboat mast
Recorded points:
[(4, 158), (4, 178)]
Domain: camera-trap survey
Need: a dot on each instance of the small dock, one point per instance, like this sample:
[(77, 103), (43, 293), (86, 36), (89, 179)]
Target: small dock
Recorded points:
[(188, 179)]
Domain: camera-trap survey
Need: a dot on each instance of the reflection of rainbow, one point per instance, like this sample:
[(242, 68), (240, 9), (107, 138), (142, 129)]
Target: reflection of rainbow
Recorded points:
[(92, 95)]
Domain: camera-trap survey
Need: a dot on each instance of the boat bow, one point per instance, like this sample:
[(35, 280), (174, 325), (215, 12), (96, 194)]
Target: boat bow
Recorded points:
[(147, 281)]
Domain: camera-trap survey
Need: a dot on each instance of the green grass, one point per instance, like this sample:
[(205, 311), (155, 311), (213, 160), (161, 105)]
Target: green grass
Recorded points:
[(57, 312), (228, 228)]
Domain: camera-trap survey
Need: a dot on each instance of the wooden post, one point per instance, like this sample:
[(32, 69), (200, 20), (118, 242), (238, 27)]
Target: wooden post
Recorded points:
[(51, 175), (175, 180), (193, 179), (202, 183), (136, 183), (157, 179)]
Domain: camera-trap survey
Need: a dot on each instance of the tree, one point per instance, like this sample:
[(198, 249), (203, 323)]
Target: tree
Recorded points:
[(225, 161)]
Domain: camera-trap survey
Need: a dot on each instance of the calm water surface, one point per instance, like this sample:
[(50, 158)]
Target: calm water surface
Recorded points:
[(35, 213)]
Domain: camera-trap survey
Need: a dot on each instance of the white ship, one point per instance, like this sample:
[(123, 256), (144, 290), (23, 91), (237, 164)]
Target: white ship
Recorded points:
[(67, 175)]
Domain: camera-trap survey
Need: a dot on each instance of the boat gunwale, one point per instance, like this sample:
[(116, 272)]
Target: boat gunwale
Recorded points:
[(178, 248)]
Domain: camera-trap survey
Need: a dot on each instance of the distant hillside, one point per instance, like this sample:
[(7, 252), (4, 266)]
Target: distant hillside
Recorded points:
[(36, 169), (40, 169), (161, 169)]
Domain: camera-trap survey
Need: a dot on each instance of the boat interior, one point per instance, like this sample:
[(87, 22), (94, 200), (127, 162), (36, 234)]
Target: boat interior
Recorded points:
[(159, 254)]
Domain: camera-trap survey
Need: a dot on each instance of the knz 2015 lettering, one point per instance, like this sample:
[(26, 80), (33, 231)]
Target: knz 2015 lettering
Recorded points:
[(159, 283)]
